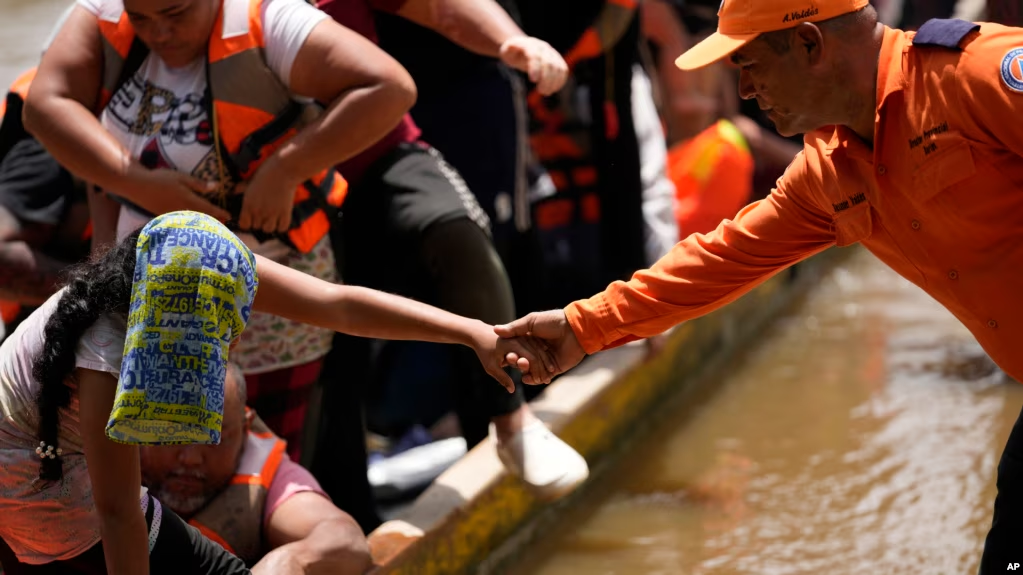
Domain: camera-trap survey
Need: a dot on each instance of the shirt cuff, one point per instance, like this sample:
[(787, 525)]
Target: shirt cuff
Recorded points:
[(592, 322)]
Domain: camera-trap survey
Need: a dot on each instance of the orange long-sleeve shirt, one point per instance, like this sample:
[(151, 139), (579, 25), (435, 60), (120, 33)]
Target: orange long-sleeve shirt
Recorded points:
[(939, 198)]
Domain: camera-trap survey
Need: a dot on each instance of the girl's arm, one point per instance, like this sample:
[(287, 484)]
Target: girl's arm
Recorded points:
[(369, 313), (116, 478)]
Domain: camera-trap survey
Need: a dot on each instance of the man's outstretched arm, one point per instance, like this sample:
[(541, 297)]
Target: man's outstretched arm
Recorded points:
[(700, 274)]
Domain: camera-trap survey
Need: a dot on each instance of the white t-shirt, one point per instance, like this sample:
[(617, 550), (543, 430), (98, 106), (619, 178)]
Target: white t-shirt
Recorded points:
[(160, 117), (158, 114), (43, 522)]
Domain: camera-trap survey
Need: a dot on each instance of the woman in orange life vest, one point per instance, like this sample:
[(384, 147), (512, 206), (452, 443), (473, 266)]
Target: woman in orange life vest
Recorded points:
[(365, 92), (213, 104)]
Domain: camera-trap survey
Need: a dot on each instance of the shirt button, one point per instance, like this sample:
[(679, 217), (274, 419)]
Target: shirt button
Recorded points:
[(881, 169), (915, 224), (953, 275), (992, 323)]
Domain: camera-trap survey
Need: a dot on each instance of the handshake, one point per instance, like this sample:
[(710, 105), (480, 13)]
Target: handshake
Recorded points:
[(541, 345)]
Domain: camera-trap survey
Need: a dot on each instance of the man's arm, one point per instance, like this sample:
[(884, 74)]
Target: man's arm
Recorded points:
[(26, 275), (984, 96), (309, 535), (705, 272), (700, 274), (483, 27)]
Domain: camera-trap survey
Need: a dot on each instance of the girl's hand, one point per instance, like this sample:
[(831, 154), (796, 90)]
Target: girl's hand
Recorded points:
[(550, 329), (529, 355)]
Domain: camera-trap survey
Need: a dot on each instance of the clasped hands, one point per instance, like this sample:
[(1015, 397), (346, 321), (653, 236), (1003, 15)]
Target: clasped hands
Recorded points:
[(541, 345)]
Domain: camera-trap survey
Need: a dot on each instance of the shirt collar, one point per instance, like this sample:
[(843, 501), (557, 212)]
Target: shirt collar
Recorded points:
[(891, 76)]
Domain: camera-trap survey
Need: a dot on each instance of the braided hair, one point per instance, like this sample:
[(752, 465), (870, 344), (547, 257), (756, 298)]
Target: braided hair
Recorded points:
[(100, 286)]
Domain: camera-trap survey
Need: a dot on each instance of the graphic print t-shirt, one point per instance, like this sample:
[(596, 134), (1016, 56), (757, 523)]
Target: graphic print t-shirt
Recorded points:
[(160, 116)]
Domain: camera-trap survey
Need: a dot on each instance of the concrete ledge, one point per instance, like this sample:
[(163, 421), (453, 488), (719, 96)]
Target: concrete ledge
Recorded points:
[(466, 520)]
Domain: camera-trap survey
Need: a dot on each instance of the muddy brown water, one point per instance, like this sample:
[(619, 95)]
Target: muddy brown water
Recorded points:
[(861, 434)]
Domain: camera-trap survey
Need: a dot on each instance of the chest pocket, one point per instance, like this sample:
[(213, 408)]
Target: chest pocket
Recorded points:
[(853, 225), (942, 171)]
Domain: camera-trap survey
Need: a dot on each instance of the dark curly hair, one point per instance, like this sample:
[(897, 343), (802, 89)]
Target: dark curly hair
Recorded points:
[(100, 286)]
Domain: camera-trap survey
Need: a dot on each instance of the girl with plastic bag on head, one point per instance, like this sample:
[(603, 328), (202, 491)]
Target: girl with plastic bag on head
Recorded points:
[(133, 351)]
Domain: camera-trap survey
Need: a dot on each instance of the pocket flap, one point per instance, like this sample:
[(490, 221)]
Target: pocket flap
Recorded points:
[(943, 170)]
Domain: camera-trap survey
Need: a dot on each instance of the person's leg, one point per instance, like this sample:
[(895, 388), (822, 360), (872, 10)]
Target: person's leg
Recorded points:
[(281, 398), (480, 125), (454, 251), (437, 212), (1004, 543), (340, 460)]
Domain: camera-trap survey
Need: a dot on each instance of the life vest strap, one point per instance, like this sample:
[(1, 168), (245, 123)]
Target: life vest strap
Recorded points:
[(252, 146)]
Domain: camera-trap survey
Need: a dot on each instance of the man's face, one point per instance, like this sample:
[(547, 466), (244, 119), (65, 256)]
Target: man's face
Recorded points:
[(187, 477), (177, 31), (784, 84)]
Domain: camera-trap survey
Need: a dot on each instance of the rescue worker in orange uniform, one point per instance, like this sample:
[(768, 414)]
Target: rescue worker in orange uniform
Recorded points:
[(912, 148)]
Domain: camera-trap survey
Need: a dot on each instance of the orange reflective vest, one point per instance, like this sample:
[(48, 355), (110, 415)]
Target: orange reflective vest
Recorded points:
[(252, 111), (234, 518), (18, 90), (713, 177)]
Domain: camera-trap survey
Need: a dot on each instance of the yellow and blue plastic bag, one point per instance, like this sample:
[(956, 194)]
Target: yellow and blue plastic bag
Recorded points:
[(192, 295)]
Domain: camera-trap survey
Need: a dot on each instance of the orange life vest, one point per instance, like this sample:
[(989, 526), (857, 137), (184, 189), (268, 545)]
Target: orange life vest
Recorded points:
[(251, 110), (713, 177), (234, 518), (560, 142), (19, 90)]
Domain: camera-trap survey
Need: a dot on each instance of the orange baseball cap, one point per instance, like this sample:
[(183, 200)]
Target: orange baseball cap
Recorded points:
[(740, 21)]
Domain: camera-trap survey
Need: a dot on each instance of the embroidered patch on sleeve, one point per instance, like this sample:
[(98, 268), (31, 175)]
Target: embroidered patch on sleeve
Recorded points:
[(1012, 70)]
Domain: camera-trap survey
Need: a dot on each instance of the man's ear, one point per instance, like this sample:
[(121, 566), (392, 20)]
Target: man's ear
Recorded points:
[(250, 416), (809, 41)]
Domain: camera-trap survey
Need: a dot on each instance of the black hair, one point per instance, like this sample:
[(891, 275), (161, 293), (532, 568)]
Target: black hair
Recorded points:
[(100, 286)]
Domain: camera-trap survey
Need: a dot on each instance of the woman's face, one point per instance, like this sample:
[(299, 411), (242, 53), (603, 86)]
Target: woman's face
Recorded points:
[(177, 31)]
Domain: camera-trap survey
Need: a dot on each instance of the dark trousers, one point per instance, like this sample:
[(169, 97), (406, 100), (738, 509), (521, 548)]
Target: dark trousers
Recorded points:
[(412, 227), (1004, 544), (180, 548), (479, 121)]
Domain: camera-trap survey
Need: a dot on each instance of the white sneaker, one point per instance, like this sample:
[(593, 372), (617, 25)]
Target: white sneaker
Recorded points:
[(415, 468), (547, 465)]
